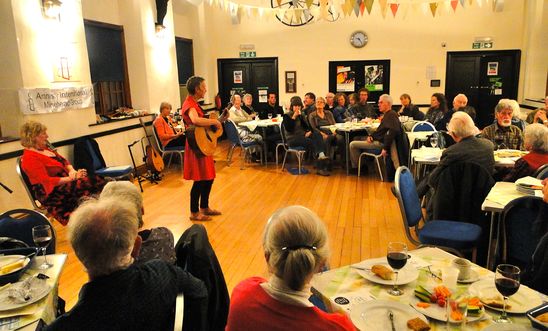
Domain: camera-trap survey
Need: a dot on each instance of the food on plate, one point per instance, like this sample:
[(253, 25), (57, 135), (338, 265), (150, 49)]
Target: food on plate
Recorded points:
[(416, 324), (11, 267), (495, 301), (382, 271), (543, 318), (423, 304), (474, 306), (439, 296), (423, 294)]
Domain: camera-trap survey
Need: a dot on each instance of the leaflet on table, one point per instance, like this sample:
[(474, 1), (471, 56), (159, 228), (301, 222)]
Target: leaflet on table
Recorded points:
[(347, 301)]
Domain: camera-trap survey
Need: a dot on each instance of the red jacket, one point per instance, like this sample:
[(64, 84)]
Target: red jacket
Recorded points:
[(164, 131), (44, 170)]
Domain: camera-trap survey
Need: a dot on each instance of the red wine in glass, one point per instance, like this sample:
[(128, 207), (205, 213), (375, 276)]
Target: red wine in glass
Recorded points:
[(42, 235), (506, 286), (507, 283), (396, 260)]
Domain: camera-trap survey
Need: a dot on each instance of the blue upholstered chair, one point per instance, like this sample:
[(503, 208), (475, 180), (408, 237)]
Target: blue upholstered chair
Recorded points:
[(235, 141), (542, 172), (102, 170), (18, 224), (174, 150), (423, 126), (452, 236)]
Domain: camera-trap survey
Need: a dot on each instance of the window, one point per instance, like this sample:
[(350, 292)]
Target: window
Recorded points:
[(108, 66), (185, 60)]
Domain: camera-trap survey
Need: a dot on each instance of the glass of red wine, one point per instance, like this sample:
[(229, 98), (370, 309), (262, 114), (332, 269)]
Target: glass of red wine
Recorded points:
[(507, 283), (397, 258), (42, 235)]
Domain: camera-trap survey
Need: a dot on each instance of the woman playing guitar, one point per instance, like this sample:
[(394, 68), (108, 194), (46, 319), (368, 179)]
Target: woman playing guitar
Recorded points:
[(199, 169)]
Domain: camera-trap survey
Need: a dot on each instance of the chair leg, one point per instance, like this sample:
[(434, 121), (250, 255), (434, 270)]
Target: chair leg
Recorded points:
[(474, 254), (283, 163), (359, 165), (229, 155), (380, 170), (169, 162), (299, 161)]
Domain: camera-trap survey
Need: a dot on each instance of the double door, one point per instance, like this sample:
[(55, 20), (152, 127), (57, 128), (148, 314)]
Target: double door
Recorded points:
[(485, 78), (255, 76)]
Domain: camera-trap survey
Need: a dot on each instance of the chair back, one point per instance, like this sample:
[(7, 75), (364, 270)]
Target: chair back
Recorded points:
[(405, 191), (519, 220), (179, 312), (94, 157), (542, 172), (157, 140), (283, 134), (232, 132), (18, 224), (26, 183), (423, 126)]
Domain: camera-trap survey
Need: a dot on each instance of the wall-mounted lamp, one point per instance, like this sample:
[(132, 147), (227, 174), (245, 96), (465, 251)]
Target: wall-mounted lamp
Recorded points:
[(160, 30), (161, 10), (51, 8)]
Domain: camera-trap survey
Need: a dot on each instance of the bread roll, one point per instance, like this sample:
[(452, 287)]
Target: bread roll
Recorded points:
[(416, 324), (382, 271)]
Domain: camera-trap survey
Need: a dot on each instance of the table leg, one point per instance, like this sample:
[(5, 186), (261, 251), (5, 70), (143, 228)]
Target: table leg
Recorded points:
[(265, 145), (347, 142), (489, 248)]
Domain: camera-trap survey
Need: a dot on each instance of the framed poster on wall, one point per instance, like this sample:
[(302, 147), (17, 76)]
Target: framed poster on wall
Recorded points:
[(290, 82), (351, 76)]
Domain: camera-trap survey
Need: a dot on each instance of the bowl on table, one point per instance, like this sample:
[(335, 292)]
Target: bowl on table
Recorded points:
[(533, 315), (21, 257)]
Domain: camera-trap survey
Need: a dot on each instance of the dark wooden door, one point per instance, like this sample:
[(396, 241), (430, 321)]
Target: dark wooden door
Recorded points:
[(485, 78), (247, 76)]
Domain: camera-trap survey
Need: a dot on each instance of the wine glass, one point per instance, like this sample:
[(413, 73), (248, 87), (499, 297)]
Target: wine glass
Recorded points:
[(507, 283), (269, 116), (42, 235), (397, 258), (434, 141)]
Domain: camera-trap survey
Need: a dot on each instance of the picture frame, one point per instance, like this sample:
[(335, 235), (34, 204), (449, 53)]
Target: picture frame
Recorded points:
[(290, 82), (350, 76)]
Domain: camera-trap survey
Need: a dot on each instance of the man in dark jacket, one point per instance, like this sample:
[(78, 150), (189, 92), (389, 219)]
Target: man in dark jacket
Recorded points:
[(271, 107), (362, 108)]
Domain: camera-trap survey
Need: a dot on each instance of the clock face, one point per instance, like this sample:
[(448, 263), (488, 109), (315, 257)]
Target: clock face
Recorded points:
[(358, 39)]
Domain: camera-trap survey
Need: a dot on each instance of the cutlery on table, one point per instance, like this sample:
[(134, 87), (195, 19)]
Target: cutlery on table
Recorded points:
[(391, 317)]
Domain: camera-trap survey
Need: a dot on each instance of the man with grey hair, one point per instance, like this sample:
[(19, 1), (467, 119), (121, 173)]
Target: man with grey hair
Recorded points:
[(121, 295), (502, 133), (329, 101), (382, 138), (157, 243), (460, 103)]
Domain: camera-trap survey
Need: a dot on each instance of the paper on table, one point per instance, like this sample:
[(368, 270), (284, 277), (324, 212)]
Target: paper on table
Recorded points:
[(529, 181), (347, 301), (27, 310), (503, 198), (116, 168)]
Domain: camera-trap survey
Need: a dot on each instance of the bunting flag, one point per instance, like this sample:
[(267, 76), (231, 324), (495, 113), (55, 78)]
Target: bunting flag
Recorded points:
[(498, 5), (362, 7), (383, 4), (369, 5), (394, 8), (357, 8), (454, 4), (347, 7), (309, 3), (433, 8), (462, 3)]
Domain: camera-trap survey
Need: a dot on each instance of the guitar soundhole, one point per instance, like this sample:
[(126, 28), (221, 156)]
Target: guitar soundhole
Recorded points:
[(208, 137)]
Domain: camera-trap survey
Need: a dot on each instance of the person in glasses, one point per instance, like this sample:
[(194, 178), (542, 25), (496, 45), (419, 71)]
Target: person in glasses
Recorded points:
[(295, 247), (502, 133)]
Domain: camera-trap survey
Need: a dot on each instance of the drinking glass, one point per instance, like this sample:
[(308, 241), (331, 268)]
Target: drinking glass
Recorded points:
[(397, 258), (507, 283), (269, 116), (457, 308), (42, 235), (434, 141)]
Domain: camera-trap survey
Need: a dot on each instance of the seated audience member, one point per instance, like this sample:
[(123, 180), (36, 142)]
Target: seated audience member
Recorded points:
[(165, 128), (321, 118), (54, 182), (460, 103), (299, 133), (538, 116), (363, 109), (340, 112), (271, 107), (329, 101), (409, 109), (352, 100), (157, 243), (309, 103), (382, 139), (536, 142), (502, 133), (238, 115), (467, 148), (120, 294), (437, 110), (295, 248), (248, 105)]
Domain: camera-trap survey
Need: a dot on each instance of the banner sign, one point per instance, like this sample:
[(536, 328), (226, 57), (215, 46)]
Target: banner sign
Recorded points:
[(47, 100)]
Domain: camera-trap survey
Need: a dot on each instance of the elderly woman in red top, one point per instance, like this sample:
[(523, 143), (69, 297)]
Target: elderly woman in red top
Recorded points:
[(199, 169), (54, 182), (166, 128), (536, 142)]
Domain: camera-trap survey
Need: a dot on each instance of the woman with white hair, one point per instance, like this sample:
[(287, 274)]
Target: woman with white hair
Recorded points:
[(296, 247), (536, 142)]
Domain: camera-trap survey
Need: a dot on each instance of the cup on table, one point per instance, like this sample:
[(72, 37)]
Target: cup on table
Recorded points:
[(457, 308), (464, 266), (449, 276)]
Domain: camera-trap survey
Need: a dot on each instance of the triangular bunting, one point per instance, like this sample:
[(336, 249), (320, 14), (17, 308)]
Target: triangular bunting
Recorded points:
[(362, 8), (394, 8), (357, 7), (279, 3), (454, 4), (433, 8), (369, 5), (309, 3), (462, 2), (348, 6), (383, 4)]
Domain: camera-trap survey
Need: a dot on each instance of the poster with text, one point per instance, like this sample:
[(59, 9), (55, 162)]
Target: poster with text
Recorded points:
[(492, 68), (346, 79), (238, 77), (374, 77)]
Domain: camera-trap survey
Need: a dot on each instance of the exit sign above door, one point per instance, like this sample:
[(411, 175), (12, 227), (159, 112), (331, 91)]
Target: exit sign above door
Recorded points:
[(248, 54), (483, 44)]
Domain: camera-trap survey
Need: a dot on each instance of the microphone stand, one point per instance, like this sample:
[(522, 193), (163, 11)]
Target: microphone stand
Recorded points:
[(6, 188)]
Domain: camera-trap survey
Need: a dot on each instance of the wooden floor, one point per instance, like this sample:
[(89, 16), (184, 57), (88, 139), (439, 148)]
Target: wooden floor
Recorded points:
[(361, 214)]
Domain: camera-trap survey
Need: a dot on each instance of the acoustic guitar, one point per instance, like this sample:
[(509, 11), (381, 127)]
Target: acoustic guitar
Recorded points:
[(153, 158), (203, 139)]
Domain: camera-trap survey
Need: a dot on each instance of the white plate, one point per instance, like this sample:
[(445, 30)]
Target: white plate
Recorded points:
[(472, 278), (406, 275), (438, 313), (373, 315), (8, 259), (39, 290), (508, 327), (520, 303)]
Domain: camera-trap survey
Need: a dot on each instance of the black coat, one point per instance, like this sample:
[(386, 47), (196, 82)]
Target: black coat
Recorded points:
[(83, 158)]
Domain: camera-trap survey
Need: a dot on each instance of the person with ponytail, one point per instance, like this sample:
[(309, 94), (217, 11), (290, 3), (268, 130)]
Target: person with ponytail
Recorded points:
[(296, 247)]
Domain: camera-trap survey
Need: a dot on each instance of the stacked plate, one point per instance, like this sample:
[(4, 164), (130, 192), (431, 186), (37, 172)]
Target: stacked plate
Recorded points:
[(528, 185)]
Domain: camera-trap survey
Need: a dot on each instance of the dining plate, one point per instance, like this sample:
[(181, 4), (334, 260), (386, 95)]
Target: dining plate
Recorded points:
[(438, 313), (508, 327), (9, 259), (373, 315), (38, 290), (406, 275), (520, 303)]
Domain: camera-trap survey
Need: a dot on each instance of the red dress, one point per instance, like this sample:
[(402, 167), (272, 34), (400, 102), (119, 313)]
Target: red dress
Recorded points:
[(195, 168), (251, 308)]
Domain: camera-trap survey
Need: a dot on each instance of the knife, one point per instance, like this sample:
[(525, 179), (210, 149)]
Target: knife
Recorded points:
[(391, 317)]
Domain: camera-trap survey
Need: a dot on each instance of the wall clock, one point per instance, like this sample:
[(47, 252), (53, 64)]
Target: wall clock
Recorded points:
[(358, 39)]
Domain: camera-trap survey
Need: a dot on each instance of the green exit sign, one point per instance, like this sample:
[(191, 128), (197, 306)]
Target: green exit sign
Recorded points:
[(476, 45), (482, 44), (248, 54)]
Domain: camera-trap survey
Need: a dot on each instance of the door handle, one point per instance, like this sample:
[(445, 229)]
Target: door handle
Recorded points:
[(474, 87)]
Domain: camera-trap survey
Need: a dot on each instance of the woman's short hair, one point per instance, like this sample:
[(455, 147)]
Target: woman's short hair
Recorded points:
[(233, 97), (295, 241), (536, 136), (102, 233), (338, 95), (193, 83), (462, 125), (165, 104), (295, 101), (247, 95), (29, 131), (353, 96), (127, 191), (406, 96), (322, 99)]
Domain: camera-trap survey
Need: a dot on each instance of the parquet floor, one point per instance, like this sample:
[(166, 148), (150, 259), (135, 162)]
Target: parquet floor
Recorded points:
[(361, 214)]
